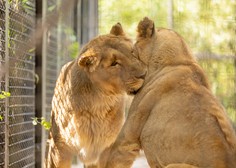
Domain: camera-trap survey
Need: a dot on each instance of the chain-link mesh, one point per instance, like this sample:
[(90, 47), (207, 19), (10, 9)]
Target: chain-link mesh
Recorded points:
[(17, 73), (17, 77), (2, 84), (21, 84)]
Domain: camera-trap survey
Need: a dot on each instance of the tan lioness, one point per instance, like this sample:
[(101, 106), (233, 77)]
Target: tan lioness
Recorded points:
[(174, 118), (88, 103)]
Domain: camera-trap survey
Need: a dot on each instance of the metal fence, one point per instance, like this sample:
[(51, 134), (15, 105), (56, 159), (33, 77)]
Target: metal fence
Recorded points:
[(60, 45), (28, 70), (17, 22)]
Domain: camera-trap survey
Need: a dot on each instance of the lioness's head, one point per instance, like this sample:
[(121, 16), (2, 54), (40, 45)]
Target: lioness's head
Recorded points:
[(160, 47), (109, 63)]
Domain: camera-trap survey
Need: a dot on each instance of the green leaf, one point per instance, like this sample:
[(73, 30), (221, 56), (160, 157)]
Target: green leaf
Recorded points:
[(47, 125), (1, 118), (43, 122), (7, 94), (2, 96)]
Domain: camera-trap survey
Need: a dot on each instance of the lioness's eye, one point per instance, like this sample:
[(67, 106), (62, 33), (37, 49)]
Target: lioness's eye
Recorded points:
[(114, 63)]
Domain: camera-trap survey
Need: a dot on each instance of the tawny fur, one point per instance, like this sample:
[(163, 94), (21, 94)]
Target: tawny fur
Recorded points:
[(174, 118), (88, 103)]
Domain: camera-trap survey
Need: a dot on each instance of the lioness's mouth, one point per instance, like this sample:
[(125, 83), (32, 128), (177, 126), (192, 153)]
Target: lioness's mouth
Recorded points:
[(134, 86), (133, 92)]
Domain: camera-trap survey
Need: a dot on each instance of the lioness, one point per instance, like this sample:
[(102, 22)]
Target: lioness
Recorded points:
[(88, 103), (174, 118)]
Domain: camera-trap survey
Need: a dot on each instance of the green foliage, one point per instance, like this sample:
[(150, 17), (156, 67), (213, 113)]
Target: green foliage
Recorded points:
[(218, 72), (207, 26), (129, 13), (74, 49), (4, 95), (69, 39), (42, 121)]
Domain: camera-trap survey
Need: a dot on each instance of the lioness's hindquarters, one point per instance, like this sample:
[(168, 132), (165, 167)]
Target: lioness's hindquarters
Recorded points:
[(88, 102), (174, 118)]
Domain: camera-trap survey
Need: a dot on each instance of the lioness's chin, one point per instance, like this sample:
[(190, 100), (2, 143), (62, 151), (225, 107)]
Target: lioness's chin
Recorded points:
[(135, 88)]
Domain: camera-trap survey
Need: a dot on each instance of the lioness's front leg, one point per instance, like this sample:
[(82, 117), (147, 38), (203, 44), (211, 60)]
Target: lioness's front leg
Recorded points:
[(123, 154), (57, 156), (127, 145)]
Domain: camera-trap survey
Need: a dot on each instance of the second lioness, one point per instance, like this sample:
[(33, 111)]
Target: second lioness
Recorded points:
[(88, 103), (174, 118)]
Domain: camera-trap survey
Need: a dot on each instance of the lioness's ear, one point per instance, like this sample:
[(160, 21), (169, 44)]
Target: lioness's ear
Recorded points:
[(146, 28), (88, 60), (117, 30)]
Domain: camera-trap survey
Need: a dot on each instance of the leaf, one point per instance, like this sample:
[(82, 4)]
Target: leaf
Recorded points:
[(34, 122), (44, 123), (7, 94), (47, 125), (1, 118), (2, 96)]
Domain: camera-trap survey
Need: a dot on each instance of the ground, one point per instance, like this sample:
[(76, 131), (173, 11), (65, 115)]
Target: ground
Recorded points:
[(140, 162)]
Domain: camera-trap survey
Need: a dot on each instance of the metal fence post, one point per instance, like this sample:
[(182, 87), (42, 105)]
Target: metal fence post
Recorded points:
[(39, 88), (43, 78), (6, 83), (170, 18)]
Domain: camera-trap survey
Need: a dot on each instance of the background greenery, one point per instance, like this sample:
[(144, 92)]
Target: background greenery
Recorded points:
[(208, 26)]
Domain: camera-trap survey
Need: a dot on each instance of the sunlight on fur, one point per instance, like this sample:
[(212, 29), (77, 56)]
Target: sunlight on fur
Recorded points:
[(88, 106)]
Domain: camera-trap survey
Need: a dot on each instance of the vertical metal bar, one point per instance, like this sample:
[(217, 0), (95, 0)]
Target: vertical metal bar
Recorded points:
[(93, 19), (7, 84), (79, 22), (44, 75), (59, 55), (38, 90), (170, 18), (89, 22)]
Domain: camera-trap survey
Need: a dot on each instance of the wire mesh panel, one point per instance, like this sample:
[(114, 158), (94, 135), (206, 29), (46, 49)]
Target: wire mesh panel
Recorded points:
[(18, 62), (21, 83), (2, 82)]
